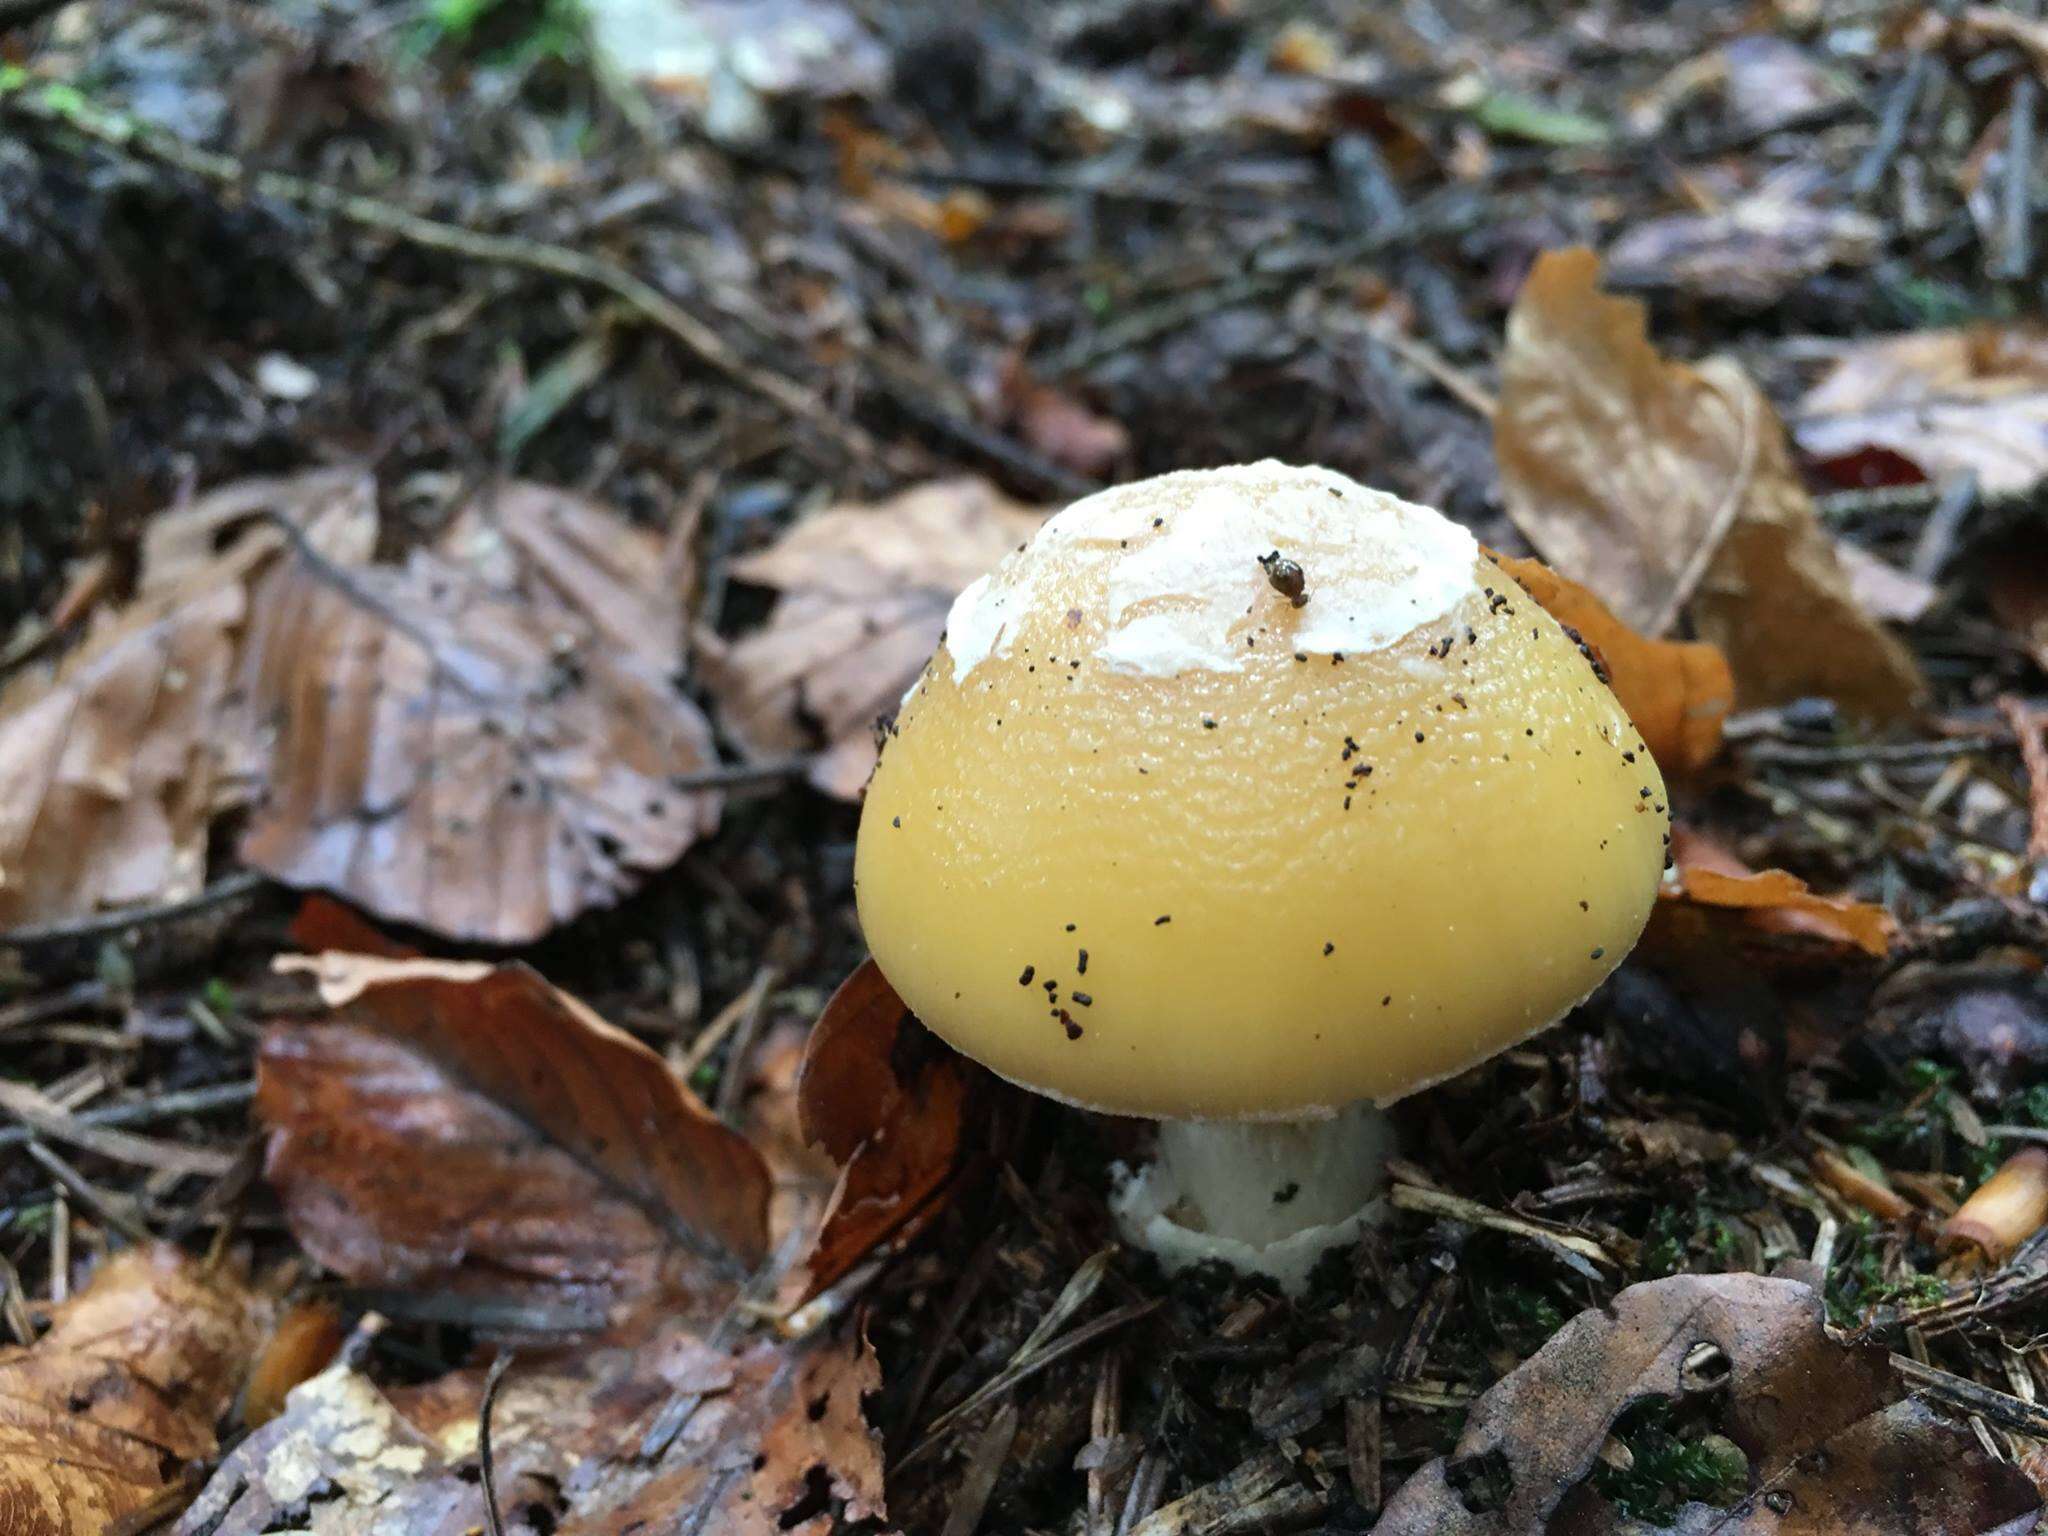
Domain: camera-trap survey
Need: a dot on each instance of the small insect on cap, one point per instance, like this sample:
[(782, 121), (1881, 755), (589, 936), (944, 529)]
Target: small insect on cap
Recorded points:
[(1250, 793)]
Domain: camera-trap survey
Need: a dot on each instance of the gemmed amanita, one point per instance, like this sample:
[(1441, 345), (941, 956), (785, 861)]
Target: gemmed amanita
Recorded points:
[(1250, 800)]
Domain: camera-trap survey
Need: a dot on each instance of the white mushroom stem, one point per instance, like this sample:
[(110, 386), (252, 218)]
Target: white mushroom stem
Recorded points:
[(1268, 1196)]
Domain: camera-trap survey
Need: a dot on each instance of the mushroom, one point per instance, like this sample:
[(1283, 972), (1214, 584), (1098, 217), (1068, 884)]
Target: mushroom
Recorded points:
[(1152, 838)]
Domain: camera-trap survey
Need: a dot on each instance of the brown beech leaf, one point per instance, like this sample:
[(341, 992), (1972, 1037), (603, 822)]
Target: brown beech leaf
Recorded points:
[(888, 1100), (98, 1415), (778, 1435), (113, 766), (470, 1127), (1771, 900), (487, 741), (864, 593), (1940, 403), (1831, 1447), (1667, 488), (1677, 692)]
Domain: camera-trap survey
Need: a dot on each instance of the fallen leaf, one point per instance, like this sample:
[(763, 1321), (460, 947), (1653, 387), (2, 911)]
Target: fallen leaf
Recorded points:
[(113, 766), (1941, 402), (485, 742), (1059, 426), (1772, 900), (864, 593), (304, 1343), (471, 1127), (1752, 252), (1884, 591), (1662, 487), (1772, 81), (1678, 693), (98, 1417), (1830, 1446), (888, 1100), (777, 1441)]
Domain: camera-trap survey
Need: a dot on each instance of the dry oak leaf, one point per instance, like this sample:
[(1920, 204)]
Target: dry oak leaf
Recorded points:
[(1707, 875), (778, 1436), (102, 1413), (864, 593), (484, 742), (1666, 488), (471, 1127), (1830, 1447), (887, 1100), (1677, 693), (1944, 402), (113, 767)]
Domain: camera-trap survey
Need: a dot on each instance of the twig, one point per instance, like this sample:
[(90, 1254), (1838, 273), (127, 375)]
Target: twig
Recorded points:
[(748, 1025), (2016, 247), (1015, 1375), (88, 1194), (191, 1101), (65, 109), (43, 1116), (1891, 126), (108, 925), (485, 1460), (2030, 729), (730, 775), (1973, 1397), (1937, 539), (1793, 755)]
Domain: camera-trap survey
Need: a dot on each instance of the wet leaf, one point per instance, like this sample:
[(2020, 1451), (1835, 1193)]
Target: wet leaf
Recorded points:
[(1830, 1446), (888, 1100), (1666, 488), (1677, 692), (1942, 402), (489, 740), (112, 768), (468, 1126), (864, 593), (1990, 1020), (777, 1435), (1771, 900), (100, 1415), (1752, 252)]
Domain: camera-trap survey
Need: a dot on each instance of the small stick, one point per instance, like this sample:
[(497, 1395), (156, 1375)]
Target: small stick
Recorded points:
[(1891, 127), (485, 1460), (2016, 248), (1362, 1450), (107, 925), (2030, 729), (88, 1195)]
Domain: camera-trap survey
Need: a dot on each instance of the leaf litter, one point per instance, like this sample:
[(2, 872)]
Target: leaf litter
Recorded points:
[(1117, 238)]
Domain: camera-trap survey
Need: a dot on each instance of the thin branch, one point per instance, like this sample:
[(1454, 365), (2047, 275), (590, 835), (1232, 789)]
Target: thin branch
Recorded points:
[(110, 925)]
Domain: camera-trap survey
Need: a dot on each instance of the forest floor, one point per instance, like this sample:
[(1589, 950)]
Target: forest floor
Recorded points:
[(493, 461)]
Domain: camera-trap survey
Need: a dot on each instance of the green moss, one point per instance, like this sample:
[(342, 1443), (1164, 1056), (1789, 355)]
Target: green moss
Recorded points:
[(1673, 1466)]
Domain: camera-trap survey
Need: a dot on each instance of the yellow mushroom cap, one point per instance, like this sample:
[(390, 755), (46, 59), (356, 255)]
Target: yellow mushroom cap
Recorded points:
[(1151, 839)]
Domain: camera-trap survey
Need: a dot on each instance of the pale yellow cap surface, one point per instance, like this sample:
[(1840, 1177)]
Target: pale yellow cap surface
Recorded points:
[(1151, 839)]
